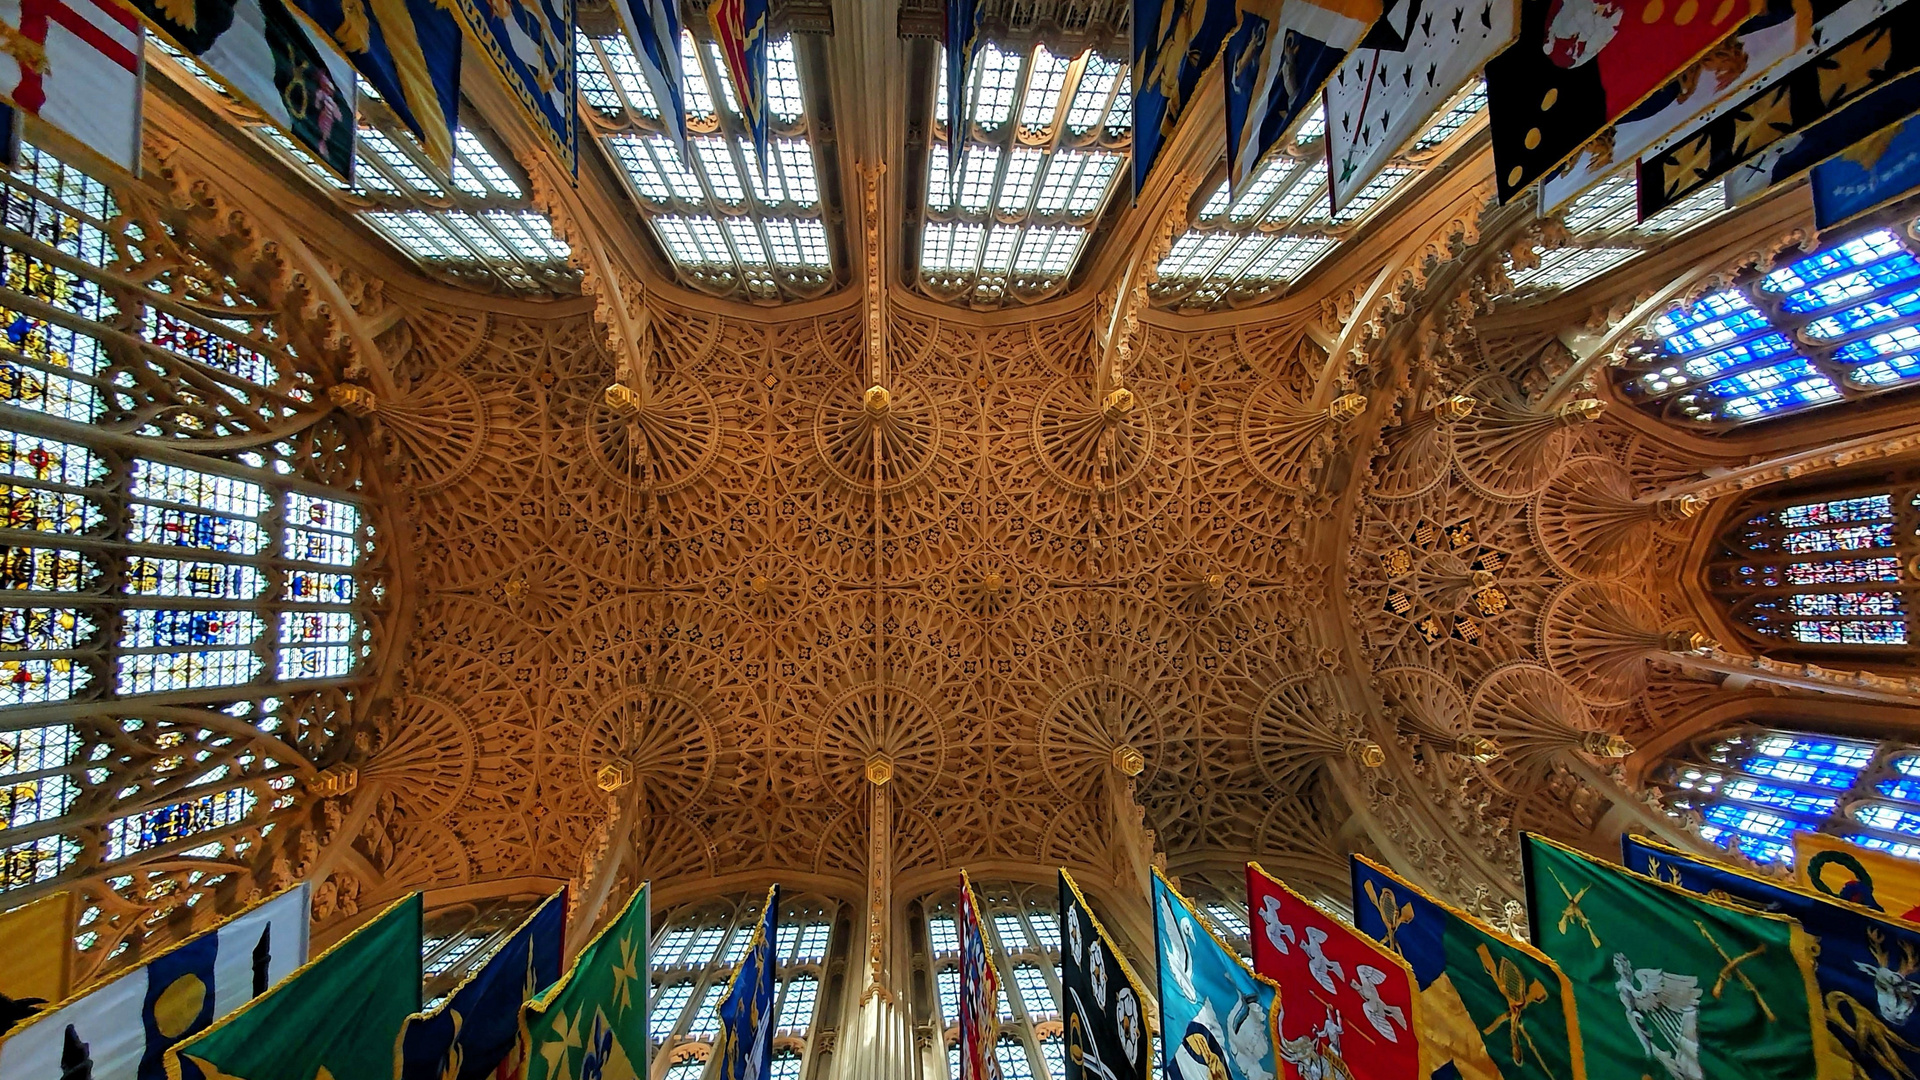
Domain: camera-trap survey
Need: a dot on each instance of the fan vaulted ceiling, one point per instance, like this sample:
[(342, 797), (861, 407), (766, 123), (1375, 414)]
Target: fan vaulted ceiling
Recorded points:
[(861, 517)]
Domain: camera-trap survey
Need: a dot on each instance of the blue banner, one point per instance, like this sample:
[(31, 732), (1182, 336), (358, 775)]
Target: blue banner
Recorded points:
[(530, 43), (1276, 66), (409, 52), (1217, 1018), (470, 1033), (1864, 964), (1174, 42), (1869, 174), (963, 36), (745, 1048), (1795, 154)]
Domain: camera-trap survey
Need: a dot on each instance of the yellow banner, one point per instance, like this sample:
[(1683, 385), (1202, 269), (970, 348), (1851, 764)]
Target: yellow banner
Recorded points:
[(1832, 867), (38, 939)]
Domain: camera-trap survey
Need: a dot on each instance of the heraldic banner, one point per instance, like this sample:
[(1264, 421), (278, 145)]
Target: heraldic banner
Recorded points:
[(745, 1049), (33, 970), (1832, 867), (1496, 1008), (123, 1028), (336, 1017), (478, 1025), (1346, 998), (593, 1022), (530, 44), (1217, 1018), (1105, 1003), (1862, 963), (1674, 986), (979, 992)]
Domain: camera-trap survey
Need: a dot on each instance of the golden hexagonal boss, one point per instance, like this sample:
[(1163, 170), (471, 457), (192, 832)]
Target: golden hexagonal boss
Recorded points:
[(1583, 411), (1346, 407), (1679, 508), (622, 398), (613, 776), (1689, 641), (1118, 403), (331, 782), (1129, 761), (1367, 752), (761, 585), (356, 400), (1481, 578), (1476, 748), (878, 400), (879, 769), (994, 582), (1603, 744), (1454, 409)]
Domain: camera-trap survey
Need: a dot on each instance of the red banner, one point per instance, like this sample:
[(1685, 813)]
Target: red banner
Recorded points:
[(1343, 997)]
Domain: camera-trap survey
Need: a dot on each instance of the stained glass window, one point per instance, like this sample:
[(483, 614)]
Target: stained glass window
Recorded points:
[(1022, 925), (1757, 787), (1045, 146), (1841, 323), (1826, 571), (150, 616), (1249, 243), (700, 948), (727, 227), (1014, 1063)]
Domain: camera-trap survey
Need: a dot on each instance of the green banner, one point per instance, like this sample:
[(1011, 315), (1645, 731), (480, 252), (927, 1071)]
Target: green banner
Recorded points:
[(593, 1022), (1674, 986), (337, 1018)]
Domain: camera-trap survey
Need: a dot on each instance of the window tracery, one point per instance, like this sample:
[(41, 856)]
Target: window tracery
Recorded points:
[(1826, 570), (696, 952), (1757, 786), (1023, 939), (472, 224), (1046, 143), (189, 584), (1604, 233), (1247, 246), (1839, 324), (726, 230)]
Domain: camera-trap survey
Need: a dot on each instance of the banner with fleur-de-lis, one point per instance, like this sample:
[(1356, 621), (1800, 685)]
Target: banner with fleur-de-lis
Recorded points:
[(1865, 966)]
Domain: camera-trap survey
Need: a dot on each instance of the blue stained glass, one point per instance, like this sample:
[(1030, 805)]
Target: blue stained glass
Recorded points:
[(1908, 789), (1780, 798), (1859, 251), (1856, 632), (1753, 822), (1705, 310), (1888, 817), (1814, 749), (315, 644), (1897, 340), (1034, 993), (1893, 369), (1862, 316), (180, 821), (1864, 508), (1856, 603), (146, 628), (1841, 571), (1907, 766), (1759, 349), (1769, 389), (1844, 538), (1763, 850), (1891, 847), (188, 528), (1852, 285), (1694, 333), (308, 587), (212, 349)]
